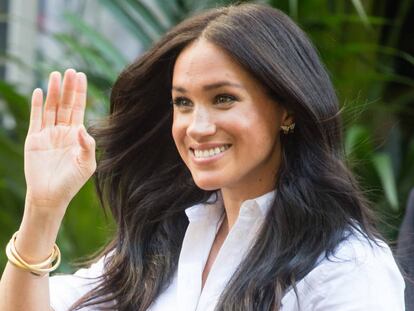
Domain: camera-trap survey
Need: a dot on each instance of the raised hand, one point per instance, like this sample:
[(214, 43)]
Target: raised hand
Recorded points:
[(59, 155)]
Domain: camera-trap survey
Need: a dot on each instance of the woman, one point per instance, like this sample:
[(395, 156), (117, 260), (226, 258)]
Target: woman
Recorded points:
[(222, 164)]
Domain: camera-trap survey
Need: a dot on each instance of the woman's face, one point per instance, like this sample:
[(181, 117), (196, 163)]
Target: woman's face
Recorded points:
[(226, 128)]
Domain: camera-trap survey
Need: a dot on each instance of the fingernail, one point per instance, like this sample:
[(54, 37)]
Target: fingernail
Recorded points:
[(81, 76), (37, 90), (70, 71), (54, 74)]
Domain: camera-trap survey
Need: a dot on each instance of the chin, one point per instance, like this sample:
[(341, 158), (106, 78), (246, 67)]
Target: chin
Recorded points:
[(208, 184)]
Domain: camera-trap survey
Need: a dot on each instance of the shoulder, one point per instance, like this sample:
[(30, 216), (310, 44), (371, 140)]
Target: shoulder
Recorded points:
[(359, 255), (360, 275), (358, 251)]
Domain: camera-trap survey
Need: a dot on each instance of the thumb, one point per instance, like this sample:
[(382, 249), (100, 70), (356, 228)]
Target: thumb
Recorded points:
[(87, 146)]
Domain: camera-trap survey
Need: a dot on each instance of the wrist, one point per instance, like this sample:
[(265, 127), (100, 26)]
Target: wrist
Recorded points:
[(37, 233), (35, 241), (45, 210)]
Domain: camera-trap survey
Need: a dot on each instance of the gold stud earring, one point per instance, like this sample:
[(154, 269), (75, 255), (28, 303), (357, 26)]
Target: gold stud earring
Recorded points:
[(287, 129)]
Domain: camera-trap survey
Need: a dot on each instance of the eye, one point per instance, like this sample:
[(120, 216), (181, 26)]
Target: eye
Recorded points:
[(182, 102), (224, 99)]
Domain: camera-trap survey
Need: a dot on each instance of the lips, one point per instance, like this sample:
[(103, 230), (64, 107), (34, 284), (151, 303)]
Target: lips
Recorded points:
[(208, 152), (203, 153)]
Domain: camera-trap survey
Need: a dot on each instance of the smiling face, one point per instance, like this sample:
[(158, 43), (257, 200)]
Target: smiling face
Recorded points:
[(226, 127)]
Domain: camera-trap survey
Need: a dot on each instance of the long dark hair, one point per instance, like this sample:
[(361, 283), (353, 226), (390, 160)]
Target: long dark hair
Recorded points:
[(146, 185)]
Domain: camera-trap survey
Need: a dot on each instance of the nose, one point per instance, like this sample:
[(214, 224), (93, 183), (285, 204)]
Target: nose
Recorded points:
[(202, 124)]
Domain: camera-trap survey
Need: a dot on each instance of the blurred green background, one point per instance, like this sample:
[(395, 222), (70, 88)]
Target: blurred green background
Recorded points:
[(367, 46)]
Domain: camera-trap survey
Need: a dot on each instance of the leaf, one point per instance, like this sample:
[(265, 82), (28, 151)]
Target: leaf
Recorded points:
[(148, 17), (360, 48), (132, 25), (90, 56), (171, 11), (383, 165), (98, 41), (293, 9), (361, 12), (355, 136)]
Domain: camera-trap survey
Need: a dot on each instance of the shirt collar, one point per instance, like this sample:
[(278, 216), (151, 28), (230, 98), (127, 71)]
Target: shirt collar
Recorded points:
[(258, 206), (213, 208)]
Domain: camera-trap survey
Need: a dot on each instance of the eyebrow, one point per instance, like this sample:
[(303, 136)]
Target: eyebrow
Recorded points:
[(209, 87)]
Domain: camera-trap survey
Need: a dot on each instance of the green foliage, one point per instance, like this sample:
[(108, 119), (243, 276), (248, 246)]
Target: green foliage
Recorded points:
[(11, 159), (358, 46)]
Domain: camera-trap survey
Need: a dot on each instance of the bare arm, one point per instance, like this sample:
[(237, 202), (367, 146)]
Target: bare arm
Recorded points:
[(59, 159)]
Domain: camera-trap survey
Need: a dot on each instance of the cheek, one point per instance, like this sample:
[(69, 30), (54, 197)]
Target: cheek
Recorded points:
[(259, 131), (247, 126), (178, 133), (175, 133)]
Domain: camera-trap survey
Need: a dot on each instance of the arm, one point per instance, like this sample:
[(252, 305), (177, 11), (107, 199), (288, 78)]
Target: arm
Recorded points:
[(59, 158)]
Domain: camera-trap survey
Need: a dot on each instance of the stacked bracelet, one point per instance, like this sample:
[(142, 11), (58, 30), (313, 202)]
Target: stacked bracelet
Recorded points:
[(39, 269)]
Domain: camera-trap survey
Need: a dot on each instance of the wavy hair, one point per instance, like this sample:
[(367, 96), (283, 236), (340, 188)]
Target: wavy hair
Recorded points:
[(147, 187)]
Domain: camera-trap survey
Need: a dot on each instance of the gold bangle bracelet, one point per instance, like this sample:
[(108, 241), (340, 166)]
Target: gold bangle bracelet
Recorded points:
[(44, 264), (38, 269)]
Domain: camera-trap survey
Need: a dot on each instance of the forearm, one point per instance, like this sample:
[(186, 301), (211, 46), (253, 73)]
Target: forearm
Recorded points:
[(19, 289)]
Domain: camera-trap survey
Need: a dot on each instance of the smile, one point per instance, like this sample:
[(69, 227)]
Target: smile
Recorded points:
[(208, 153)]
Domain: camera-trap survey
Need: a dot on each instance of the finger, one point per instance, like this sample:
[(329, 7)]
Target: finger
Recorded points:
[(35, 124), (64, 109), (52, 99), (87, 150), (78, 110)]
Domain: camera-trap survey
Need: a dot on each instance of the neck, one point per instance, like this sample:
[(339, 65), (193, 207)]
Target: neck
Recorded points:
[(232, 203)]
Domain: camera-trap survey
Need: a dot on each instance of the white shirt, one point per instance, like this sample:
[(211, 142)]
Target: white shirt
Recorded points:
[(359, 278)]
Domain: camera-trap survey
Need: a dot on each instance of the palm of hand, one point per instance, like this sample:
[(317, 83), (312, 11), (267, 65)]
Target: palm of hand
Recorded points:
[(52, 152), (59, 154)]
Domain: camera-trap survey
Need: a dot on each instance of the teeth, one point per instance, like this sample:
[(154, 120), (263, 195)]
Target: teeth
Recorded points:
[(210, 152)]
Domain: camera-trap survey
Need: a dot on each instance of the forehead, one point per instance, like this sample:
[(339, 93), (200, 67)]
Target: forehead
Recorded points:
[(203, 62)]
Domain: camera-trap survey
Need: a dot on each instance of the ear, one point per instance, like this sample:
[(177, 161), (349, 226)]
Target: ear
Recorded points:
[(287, 117)]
